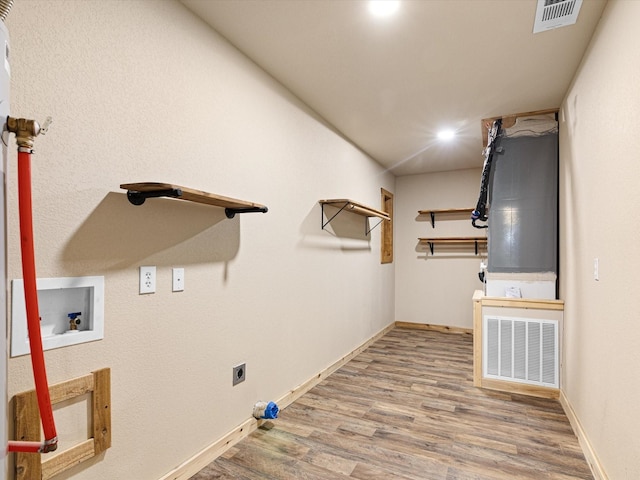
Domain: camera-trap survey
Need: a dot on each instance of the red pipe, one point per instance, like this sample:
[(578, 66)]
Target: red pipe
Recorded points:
[(25, 447), (33, 315)]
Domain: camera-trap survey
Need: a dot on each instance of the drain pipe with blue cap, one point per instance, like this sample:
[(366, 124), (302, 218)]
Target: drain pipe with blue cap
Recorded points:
[(265, 411)]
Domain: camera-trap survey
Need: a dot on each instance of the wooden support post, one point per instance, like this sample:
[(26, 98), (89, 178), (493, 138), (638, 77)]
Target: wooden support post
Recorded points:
[(102, 410)]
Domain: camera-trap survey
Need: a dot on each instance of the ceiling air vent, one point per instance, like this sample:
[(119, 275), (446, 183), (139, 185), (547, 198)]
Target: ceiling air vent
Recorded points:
[(556, 13)]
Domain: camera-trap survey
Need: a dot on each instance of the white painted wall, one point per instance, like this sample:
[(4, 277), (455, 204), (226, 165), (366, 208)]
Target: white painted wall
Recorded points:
[(599, 198), (145, 91), (435, 289)]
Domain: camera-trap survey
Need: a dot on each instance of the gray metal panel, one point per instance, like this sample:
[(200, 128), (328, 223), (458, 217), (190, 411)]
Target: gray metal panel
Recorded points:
[(524, 206)]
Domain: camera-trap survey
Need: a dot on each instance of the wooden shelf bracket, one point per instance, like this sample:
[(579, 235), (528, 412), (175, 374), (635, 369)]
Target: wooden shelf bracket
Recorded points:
[(137, 194), (344, 204)]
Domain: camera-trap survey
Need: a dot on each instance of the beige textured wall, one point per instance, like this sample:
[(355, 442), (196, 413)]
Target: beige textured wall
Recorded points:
[(600, 170), (435, 289), (144, 91)]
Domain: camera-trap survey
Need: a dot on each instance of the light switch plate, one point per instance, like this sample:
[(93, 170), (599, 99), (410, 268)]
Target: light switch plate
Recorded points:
[(178, 279)]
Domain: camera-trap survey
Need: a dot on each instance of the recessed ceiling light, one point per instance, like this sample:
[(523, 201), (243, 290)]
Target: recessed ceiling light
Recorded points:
[(383, 8), (446, 134)]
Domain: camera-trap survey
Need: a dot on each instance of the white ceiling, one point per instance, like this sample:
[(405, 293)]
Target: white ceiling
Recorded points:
[(390, 84)]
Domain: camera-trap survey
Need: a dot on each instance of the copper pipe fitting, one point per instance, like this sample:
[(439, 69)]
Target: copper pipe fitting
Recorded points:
[(26, 131)]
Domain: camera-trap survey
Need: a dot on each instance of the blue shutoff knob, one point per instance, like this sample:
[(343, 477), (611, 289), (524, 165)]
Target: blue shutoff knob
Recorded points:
[(74, 321)]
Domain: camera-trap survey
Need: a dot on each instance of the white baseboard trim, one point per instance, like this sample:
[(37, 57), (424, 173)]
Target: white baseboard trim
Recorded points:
[(589, 453), (207, 455)]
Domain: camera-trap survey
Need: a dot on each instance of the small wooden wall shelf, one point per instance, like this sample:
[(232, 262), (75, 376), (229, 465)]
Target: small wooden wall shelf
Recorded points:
[(344, 204), (454, 241), (137, 193), (453, 211)]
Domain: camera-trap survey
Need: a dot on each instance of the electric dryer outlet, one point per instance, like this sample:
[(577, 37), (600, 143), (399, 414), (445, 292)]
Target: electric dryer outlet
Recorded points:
[(239, 374)]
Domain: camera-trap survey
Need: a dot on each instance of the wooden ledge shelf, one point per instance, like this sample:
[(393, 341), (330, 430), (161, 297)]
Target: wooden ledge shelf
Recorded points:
[(137, 193), (344, 204), (433, 213), (454, 241)]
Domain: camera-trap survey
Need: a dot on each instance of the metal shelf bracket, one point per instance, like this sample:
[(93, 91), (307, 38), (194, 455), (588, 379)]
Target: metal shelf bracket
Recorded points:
[(231, 212), (367, 230), (138, 198)]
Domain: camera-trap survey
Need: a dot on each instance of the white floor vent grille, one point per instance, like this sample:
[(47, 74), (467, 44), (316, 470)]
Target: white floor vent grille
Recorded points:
[(521, 350)]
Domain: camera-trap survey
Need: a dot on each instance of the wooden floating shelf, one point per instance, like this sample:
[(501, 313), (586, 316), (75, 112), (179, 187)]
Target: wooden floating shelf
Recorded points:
[(454, 211), (137, 193), (344, 204), (454, 241)]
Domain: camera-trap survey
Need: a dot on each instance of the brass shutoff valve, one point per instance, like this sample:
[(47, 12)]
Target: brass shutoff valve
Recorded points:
[(74, 321), (26, 131)]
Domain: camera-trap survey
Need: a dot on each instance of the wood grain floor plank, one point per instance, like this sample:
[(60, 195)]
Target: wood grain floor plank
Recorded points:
[(406, 409), (225, 469), (279, 466), (371, 472), (333, 463)]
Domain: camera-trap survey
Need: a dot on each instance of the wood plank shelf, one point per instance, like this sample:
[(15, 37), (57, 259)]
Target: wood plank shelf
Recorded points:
[(137, 193), (454, 241), (345, 204), (453, 211)]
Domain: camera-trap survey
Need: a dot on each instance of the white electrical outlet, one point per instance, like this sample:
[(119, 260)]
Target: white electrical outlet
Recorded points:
[(178, 279), (147, 280)]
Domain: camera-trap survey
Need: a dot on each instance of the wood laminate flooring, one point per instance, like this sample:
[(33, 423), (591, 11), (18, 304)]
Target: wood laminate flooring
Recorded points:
[(403, 409)]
